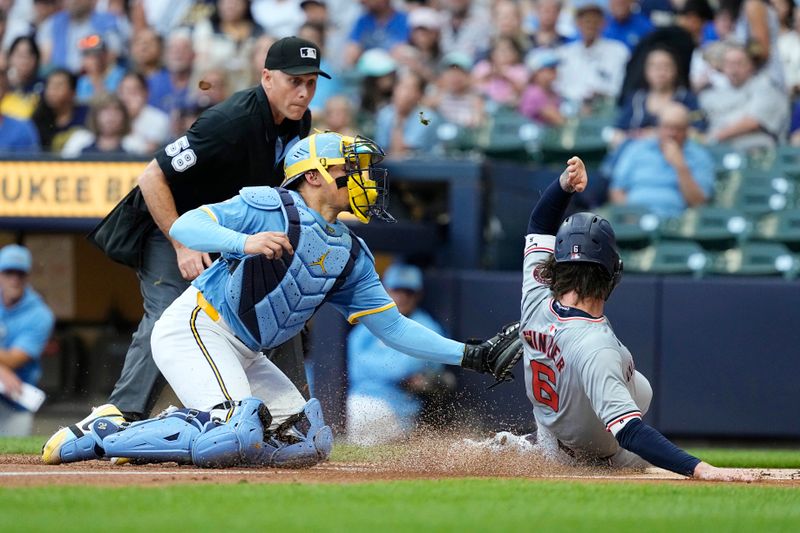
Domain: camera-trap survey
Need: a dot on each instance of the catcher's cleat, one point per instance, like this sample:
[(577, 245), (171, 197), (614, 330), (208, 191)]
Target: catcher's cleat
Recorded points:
[(78, 442)]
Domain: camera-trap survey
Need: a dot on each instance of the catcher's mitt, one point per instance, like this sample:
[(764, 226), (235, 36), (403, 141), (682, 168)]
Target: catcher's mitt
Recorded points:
[(496, 355)]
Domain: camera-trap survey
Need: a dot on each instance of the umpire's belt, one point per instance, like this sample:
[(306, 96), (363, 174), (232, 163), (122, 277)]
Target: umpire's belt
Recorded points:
[(203, 304)]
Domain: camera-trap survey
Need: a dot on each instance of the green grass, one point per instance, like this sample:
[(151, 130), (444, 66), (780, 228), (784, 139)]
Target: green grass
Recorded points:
[(444, 505), (728, 457)]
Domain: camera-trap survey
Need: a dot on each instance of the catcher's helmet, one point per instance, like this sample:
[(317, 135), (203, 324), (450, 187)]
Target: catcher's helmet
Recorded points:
[(589, 238), (367, 184)]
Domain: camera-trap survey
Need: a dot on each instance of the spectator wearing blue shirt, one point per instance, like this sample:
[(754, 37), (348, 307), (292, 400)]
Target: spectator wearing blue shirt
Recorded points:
[(101, 75), (666, 174), (625, 26), (380, 27), (25, 327), (326, 88), (15, 135), (405, 126), (382, 404), (58, 36)]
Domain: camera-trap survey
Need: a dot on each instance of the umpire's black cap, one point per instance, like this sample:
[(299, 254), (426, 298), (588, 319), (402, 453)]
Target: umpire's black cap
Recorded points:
[(294, 56)]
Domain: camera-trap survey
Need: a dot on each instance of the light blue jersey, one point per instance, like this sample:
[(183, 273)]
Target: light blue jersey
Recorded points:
[(302, 285)]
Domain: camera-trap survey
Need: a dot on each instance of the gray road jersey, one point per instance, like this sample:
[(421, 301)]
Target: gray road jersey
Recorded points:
[(579, 374)]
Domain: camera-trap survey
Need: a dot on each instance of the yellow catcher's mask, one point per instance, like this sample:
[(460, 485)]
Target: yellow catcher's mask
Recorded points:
[(366, 184)]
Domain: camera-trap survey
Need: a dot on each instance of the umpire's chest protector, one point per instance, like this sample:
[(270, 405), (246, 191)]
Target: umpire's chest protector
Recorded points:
[(273, 298)]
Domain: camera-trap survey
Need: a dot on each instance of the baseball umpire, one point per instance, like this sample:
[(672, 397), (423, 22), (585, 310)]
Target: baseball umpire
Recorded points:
[(587, 397), (238, 143)]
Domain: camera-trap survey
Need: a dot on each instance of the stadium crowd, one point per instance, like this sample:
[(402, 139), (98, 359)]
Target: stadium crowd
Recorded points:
[(124, 76)]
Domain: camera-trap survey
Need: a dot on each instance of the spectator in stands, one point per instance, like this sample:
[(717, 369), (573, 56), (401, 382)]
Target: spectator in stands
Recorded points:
[(453, 97), (684, 38), (59, 35), (15, 135), (326, 88), (625, 25), (638, 118), (421, 54), (279, 18), (25, 327), (147, 50), (226, 41), (184, 117), (260, 49), (379, 74), (665, 174), (316, 12), (751, 113), (179, 60), (58, 114), (12, 27), (507, 22), (546, 34), (789, 43), (756, 27), (149, 125), (24, 85), (163, 17), (383, 398), (591, 68), (44, 9), (540, 101), (107, 133), (380, 27), (502, 78), (406, 126), (101, 75), (338, 115), (466, 27)]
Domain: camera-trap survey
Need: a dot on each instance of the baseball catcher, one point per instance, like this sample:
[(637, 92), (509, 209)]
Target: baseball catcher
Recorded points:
[(284, 254)]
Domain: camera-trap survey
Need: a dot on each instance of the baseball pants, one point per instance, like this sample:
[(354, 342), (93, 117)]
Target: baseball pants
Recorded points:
[(208, 367)]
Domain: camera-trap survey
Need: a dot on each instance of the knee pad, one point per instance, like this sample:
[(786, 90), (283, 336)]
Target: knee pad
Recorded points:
[(239, 441), (166, 438), (302, 441)]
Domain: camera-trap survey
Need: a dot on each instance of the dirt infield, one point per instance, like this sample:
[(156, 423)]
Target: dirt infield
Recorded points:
[(26, 470)]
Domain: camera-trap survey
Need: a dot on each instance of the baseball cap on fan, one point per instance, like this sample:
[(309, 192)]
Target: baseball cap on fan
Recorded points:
[(401, 276), (294, 56), (15, 257)]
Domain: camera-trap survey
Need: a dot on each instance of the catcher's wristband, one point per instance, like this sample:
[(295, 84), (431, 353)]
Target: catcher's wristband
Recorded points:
[(474, 357)]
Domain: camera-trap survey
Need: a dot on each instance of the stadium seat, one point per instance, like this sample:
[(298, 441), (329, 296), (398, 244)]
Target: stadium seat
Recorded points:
[(634, 226), (757, 196), (755, 259), (726, 158), (667, 257), (585, 136), (508, 135), (714, 228), (455, 139), (788, 160), (783, 227)]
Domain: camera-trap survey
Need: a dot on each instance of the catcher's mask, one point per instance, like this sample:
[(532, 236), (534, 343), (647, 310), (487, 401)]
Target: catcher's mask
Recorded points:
[(589, 238), (367, 185)]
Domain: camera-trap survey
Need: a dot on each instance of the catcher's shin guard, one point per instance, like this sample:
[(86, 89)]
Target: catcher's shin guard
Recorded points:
[(304, 440), (238, 442), (166, 438), (80, 442)]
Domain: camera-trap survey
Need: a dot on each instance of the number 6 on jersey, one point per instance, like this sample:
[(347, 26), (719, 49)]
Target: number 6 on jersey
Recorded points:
[(544, 379)]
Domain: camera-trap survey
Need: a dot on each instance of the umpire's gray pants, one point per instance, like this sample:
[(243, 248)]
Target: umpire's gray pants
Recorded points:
[(160, 280)]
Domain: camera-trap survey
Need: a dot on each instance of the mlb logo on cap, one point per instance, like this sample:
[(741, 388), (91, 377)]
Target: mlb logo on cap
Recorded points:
[(308, 52)]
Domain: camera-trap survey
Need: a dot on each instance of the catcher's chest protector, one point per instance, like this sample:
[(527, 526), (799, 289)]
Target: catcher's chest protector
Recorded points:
[(274, 298)]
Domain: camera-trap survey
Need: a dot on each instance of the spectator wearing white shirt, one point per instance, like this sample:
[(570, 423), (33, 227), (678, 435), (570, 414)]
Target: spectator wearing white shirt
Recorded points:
[(592, 66), (752, 113), (149, 125)]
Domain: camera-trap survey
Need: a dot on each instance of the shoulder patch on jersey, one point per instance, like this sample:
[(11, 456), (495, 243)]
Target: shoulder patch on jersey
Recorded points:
[(537, 274), (261, 197)]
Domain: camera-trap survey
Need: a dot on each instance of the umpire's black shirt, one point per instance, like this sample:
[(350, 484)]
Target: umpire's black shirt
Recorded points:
[(230, 146)]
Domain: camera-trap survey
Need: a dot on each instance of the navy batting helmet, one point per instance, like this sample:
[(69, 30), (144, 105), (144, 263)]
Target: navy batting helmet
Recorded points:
[(589, 238)]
